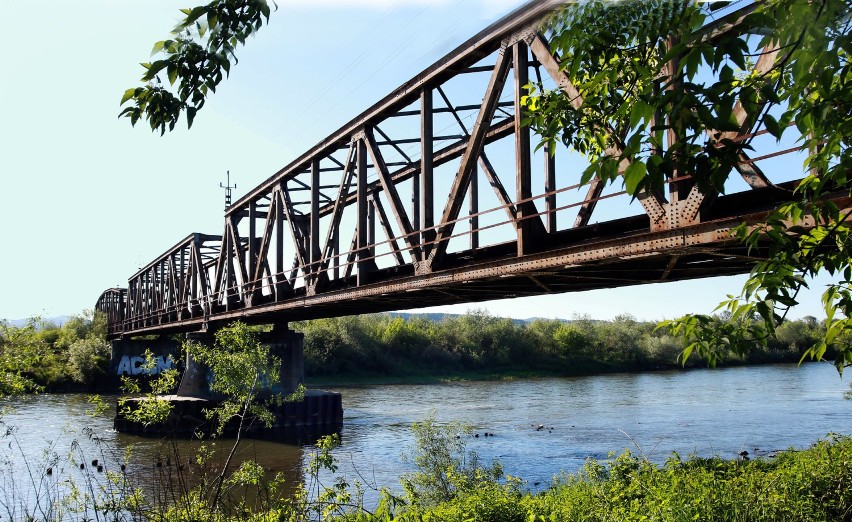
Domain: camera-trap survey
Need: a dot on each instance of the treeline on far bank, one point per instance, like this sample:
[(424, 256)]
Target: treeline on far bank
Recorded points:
[(41, 355), (479, 343), (76, 356)]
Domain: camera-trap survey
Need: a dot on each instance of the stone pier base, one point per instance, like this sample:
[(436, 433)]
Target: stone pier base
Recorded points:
[(301, 422), (319, 414)]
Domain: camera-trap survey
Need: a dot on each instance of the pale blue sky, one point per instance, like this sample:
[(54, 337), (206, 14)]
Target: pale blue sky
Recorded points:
[(87, 200)]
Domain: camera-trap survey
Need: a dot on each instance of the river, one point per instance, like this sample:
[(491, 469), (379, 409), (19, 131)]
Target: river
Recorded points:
[(540, 426)]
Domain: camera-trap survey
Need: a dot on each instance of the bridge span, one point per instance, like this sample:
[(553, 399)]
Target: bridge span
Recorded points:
[(436, 195)]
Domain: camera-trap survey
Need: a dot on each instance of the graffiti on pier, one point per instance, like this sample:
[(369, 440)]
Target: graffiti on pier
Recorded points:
[(135, 365)]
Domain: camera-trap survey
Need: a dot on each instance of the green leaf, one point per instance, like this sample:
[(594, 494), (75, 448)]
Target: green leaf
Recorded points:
[(772, 125), (129, 93), (190, 115), (194, 15), (588, 173), (153, 69), (158, 47), (633, 176)]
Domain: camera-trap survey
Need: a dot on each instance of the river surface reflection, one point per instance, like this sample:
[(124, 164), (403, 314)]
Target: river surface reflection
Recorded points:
[(704, 412)]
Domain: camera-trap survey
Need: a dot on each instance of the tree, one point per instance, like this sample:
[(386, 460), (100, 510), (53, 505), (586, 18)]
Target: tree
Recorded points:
[(194, 60), (242, 366), (785, 68), (21, 350), (88, 359), (243, 369)]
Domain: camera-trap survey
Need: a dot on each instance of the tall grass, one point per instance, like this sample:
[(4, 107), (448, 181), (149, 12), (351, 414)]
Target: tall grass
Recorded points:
[(810, 485)]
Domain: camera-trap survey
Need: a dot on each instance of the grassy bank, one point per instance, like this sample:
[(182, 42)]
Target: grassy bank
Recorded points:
[(447, 483), (810, 485)]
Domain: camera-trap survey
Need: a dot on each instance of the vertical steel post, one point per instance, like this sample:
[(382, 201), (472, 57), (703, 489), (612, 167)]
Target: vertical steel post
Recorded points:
[(361, 244), (678, 190), (252, 246), (315, 252), (336, 251), (427, 205), (371, 226), (161, 301), (181, 281), (415, 207), (473, 207), (522, 152), (549, 188), (279, 245), (193, 284)]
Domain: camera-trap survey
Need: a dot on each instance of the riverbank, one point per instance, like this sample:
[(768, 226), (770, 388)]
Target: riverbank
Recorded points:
[(810, 485), (507, 375), (701, 412), (387, 349), (383, 348), (440, 377)]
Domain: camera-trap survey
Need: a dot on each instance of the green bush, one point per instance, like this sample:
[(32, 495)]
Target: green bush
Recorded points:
[(43, 355), (88, 359), (445, 469), (810, 485)]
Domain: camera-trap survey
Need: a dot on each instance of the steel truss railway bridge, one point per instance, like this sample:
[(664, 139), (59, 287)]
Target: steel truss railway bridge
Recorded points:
[(436, 195)]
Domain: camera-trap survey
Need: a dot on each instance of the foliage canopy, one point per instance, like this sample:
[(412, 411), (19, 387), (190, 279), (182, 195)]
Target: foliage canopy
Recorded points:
[(194, 60), (661, 93)]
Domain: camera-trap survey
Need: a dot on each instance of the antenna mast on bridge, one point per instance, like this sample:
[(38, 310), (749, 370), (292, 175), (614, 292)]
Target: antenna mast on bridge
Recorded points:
[(228, 188)]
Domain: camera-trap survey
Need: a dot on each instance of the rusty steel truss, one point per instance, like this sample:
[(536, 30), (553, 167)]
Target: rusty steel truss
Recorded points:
[(372, 218)]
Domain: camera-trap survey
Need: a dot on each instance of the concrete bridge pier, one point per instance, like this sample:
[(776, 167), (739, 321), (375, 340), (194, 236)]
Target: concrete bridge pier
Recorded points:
[(285, 344), (127, 356), (196, 378), (301, 420), (289, 347)]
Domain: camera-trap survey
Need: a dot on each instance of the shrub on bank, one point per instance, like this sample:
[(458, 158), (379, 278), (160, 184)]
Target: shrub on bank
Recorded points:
[(44, 355), (809, 485)]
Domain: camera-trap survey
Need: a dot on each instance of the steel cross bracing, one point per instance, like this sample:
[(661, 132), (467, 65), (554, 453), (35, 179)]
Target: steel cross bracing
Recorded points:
[(372, 218)]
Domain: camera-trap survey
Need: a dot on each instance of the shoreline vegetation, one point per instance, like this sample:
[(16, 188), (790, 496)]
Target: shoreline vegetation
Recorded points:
[(448, 482), (392, 349)]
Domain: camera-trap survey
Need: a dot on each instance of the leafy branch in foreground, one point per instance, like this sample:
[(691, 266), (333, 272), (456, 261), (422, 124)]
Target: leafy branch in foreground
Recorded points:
[(154, 407), (657, 98), (445, 467), (194, 61), (242, 366)]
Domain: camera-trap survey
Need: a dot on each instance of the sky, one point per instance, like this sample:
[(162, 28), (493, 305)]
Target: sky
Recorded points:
[(86, 199)]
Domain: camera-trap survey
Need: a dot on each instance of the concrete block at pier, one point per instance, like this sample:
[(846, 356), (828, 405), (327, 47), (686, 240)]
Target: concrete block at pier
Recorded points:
[(320, 413), (288, 346)]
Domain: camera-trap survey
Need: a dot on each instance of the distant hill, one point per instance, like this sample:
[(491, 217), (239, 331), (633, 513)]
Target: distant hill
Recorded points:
[(58, 321), (440, 316)]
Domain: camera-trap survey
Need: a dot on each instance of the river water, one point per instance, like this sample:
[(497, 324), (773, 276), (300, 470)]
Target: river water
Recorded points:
[(540, 427)]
